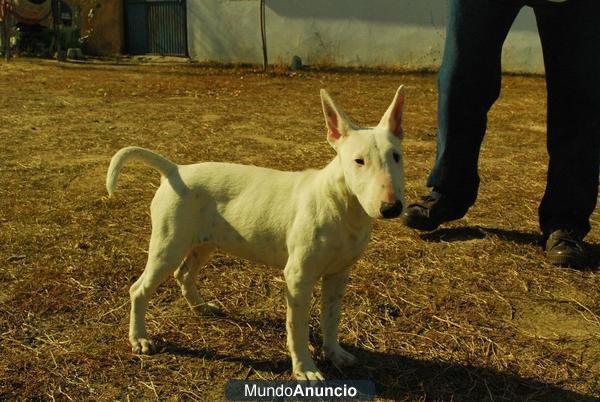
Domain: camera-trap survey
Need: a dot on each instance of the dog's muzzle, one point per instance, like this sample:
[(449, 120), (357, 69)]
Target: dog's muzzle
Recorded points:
[(390, 209)]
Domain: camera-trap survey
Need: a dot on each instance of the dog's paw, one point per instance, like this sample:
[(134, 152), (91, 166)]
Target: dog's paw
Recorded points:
[(306, 370), (143, 346), (340, 357), (309, 376), (208, 310)]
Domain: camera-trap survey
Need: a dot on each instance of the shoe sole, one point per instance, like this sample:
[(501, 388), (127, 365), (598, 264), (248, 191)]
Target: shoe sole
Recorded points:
[(566, 261), (419, 224)]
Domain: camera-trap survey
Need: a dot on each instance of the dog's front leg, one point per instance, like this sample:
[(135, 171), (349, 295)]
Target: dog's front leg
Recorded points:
[(332, 293), (299, 285)]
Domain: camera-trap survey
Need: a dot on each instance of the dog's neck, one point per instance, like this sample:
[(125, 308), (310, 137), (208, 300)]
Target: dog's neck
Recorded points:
[(338, 191)]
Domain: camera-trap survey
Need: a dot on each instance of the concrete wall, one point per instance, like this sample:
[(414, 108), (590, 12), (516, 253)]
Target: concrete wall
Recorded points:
[(403, 33)]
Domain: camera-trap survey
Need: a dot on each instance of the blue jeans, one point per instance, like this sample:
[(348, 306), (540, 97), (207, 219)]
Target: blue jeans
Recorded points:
[(469, 84)]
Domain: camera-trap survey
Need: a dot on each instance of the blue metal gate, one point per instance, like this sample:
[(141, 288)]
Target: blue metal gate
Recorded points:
[(156, 27)]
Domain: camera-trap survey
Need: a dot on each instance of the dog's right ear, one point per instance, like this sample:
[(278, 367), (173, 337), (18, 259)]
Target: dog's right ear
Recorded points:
[(338, 124)]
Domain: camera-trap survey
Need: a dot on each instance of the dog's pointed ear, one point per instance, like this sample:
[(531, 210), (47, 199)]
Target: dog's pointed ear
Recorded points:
[(337, 123), (392, 119)]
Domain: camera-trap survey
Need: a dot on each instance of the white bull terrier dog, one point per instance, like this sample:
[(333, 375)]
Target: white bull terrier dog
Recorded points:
[(314, 224)]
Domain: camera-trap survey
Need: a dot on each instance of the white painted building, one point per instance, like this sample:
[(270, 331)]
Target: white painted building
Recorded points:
[(401, 33)]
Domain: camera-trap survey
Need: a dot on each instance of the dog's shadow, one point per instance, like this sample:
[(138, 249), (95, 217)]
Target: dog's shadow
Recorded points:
[(280, 366), (398, 377)]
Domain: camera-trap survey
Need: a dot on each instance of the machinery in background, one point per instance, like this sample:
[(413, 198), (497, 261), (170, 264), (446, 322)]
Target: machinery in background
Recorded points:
[(42, 28)]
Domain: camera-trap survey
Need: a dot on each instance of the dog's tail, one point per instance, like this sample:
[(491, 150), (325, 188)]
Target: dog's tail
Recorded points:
[(163, 165)]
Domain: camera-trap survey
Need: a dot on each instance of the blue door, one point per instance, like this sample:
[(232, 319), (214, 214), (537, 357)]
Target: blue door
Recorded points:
[(156, 27)]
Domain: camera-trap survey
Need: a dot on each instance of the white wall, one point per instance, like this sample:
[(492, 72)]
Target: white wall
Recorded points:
[(404, 33)]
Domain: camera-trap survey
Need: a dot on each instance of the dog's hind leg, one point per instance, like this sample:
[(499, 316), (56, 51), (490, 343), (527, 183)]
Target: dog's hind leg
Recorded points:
[(332, 292), (164, 256), (185, 275)]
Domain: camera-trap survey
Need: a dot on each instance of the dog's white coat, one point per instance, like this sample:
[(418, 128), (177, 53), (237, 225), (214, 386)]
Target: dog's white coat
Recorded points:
[(314, 224)]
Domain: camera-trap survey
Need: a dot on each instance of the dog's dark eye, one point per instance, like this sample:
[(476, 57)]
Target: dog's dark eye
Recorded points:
[(359, 161), (396, 157)]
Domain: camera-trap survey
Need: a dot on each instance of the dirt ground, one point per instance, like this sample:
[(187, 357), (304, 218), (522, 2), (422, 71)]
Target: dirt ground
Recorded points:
[(468, 312)]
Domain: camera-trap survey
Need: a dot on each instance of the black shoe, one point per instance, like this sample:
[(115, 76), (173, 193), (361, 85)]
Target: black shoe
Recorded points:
[(433, 210), (565, 248)]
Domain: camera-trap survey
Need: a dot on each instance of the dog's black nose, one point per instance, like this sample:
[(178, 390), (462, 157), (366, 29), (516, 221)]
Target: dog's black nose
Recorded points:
[(390, 209)]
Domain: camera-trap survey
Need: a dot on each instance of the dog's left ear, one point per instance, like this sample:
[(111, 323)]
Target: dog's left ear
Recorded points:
[(392, 119), (338, 124)]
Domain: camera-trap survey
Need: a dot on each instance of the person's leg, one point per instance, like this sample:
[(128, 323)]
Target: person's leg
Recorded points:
[(468, 84), (570, 35)]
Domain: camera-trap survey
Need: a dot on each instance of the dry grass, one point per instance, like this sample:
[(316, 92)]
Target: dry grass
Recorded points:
[(470, 312)]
